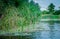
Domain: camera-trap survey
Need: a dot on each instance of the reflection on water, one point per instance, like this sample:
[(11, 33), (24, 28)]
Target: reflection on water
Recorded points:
[(52, 32)]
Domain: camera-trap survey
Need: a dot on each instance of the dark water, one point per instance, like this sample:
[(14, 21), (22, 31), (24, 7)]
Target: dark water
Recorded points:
[(52, 31)]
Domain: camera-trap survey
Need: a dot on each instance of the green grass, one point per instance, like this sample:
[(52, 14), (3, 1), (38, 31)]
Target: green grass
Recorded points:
[(50, 16)]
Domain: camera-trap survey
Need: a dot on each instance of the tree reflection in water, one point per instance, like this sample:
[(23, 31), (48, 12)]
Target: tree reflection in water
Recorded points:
[(51, 26)]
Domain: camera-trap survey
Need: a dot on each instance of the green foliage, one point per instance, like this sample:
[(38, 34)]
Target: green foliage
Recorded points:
[(45, 12), (57, 12), (51, 8), (18, 13)]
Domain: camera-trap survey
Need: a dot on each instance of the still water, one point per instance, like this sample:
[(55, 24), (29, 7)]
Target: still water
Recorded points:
[(51, 31)]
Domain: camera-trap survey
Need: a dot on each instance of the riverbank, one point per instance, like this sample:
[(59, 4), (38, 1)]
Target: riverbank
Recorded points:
[(33, 27)]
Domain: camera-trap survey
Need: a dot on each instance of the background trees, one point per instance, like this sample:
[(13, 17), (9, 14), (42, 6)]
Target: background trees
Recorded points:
[(57, 12), (51, 8)]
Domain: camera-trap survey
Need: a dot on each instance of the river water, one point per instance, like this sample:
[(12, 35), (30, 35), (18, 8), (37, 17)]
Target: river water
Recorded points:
[(51, 31)]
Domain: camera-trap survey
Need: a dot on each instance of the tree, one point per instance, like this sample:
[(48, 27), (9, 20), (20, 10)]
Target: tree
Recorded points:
[(51, 8), (35, 10), (57, 12), (18, 13)]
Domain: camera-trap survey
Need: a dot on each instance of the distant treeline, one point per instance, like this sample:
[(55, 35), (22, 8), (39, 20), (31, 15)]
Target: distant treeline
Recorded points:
[(51, 10)]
